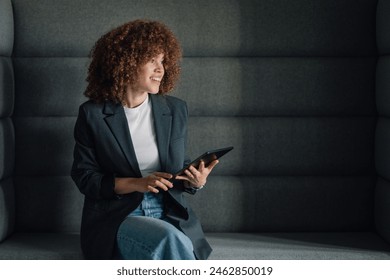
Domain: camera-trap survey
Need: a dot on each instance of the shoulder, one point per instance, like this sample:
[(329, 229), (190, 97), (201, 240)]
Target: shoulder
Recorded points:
[(175, 101), (178, 107), (91, 107), (176, 104), (167, 103)]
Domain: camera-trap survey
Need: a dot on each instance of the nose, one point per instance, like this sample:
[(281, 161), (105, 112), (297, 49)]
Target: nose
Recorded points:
[(159, 66)]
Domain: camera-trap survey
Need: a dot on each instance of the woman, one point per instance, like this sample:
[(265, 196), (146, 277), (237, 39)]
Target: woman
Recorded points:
[(130, 139)]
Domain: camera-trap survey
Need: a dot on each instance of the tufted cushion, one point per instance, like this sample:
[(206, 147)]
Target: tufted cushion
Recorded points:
[(234, 28), (382, 207), (382, 146), (286, 203), (6, 87), (277, 88), (290, 84), (383, 26), (7, 136), (7, 208), (6, 28), (383, 86), (7, 148), (60, 204)]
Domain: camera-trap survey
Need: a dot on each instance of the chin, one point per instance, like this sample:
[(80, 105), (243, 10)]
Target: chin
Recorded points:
[(154, 91)]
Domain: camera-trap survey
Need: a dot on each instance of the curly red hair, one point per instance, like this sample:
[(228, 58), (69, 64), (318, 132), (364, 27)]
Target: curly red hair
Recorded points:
[(118, 55)]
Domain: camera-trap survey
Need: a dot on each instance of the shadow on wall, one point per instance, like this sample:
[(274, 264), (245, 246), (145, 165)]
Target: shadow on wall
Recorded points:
[(47, 197), (306, 116)]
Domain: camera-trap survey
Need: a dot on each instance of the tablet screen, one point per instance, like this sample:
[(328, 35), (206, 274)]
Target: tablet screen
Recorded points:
[(207, 157)]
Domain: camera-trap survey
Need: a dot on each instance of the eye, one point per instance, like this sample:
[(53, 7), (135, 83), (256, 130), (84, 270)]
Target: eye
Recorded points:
[(155, 60)]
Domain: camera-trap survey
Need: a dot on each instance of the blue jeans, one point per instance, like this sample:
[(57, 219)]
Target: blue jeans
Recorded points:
[(146, 234)]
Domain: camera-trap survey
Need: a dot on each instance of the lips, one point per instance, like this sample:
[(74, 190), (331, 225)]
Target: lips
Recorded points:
[(156, 79)]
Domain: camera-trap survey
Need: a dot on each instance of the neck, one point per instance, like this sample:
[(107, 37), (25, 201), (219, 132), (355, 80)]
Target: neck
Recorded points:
[(134, 99)]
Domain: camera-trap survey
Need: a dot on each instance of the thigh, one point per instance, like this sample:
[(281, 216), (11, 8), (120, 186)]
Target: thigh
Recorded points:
[(141, 237), (143, 227)]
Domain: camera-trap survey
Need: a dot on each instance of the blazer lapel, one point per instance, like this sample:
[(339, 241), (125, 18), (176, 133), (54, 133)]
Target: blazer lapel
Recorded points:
[(117, 122), (162, 123)]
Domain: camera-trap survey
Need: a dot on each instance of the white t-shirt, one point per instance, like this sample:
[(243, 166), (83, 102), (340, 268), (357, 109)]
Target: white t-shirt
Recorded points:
[(141, 125)]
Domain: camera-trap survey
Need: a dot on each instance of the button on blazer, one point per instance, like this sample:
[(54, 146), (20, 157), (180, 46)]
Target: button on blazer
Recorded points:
[(104, 151)]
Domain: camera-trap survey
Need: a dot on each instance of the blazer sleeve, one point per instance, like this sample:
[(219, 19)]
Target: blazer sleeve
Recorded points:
[(187, 160), (86, 171)]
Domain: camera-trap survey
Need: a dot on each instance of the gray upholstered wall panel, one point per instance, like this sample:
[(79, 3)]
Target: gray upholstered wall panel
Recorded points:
[(299, 203), (7, 148), (7, 160), (278, 86), (260, 203), (382, 207), (44, 146), (49, 204), (383, 86), (218, 86), (6, 28), (382, 147), (6, 87), (287, 146), (383, 26), (205, 28), (7, 137), (281, 146), (382, 141), (51, 86), (266, 146), (7, 208), (308, 117)]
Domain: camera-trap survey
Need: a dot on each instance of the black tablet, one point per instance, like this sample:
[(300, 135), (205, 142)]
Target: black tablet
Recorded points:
[(207, 157)]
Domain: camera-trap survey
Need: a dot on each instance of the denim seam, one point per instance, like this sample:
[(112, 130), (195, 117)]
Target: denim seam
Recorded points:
[(137, 243)]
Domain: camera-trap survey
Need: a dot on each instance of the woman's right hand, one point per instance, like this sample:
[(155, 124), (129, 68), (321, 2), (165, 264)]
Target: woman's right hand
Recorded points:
[(152, 183)]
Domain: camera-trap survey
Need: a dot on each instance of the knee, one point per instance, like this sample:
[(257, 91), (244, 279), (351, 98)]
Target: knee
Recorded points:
[(179, 237)]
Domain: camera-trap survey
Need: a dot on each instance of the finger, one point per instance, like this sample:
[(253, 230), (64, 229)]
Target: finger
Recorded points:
[(191, 177), (165, 182), (201, 165), (159, 184), (193, 170), (182, 178), (189, 174), (212, 164), (154, 190), (163, 174)]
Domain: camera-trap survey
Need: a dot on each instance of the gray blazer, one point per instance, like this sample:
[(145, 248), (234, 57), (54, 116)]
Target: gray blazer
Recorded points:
[(104, 150)]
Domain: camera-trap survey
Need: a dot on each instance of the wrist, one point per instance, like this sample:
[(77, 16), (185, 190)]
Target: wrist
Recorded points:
[(191, 186)]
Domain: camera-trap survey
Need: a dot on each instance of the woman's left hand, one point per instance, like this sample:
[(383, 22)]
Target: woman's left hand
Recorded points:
[(197, 177)]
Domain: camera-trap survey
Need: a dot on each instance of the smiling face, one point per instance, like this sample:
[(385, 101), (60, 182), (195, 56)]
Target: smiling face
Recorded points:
[(150, 76)]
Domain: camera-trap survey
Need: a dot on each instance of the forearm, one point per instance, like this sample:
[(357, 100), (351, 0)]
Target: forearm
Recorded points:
[(93, 183), (127, 185), (153, 183)]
